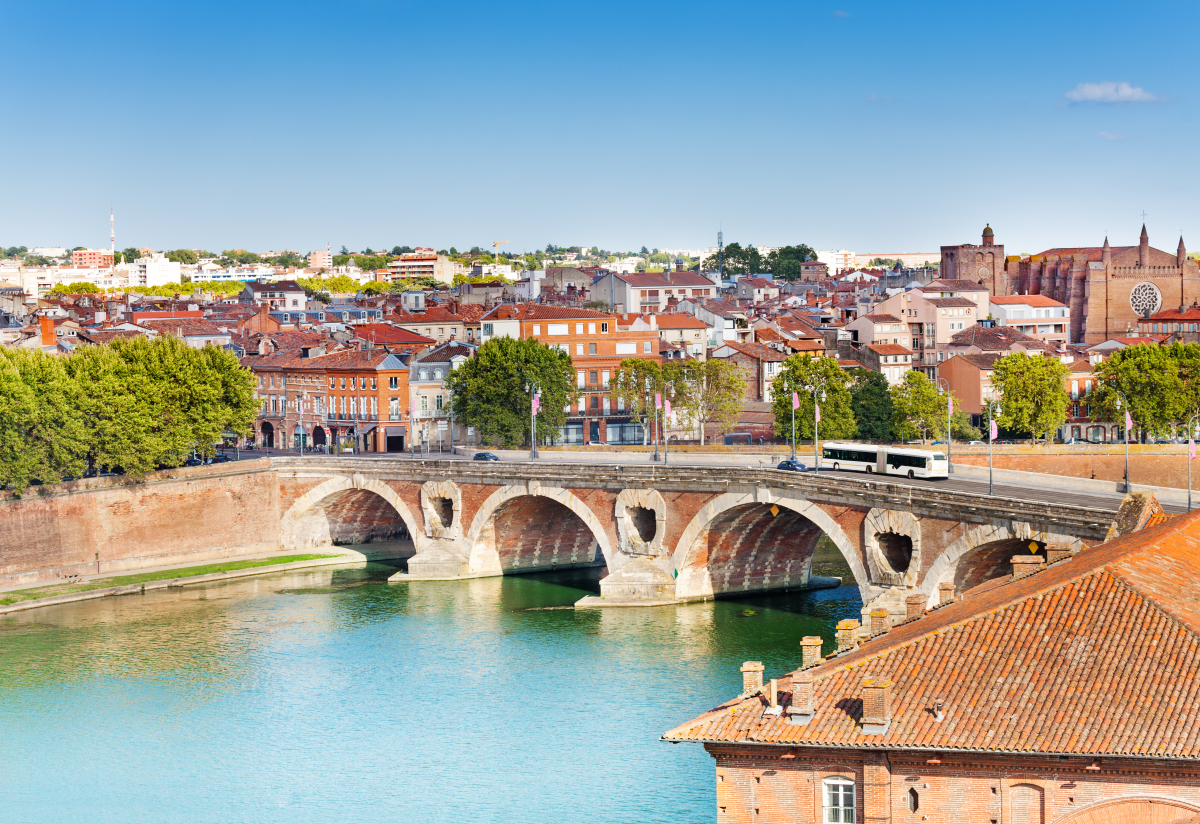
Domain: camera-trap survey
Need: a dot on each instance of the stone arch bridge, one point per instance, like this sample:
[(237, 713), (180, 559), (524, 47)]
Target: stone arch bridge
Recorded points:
[(670, 533)]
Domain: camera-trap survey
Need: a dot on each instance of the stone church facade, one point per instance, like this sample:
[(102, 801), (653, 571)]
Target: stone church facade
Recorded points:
[(984, 263), (1108, 288)]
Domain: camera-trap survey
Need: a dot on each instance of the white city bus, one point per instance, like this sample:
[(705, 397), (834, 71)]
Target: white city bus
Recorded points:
[(888, 460)]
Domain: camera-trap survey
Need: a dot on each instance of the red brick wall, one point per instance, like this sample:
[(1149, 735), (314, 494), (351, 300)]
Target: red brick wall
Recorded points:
[(173, 517), (747, 548), (533, 532), (758, 785), (1152, 470)]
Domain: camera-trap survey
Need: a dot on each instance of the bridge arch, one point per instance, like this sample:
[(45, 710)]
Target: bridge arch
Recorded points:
[(993, 545), (344, 509), (803, 524), (550, 525)]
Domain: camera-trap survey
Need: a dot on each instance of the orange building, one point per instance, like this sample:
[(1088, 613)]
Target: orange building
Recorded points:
[(355, 400), (597, 345)]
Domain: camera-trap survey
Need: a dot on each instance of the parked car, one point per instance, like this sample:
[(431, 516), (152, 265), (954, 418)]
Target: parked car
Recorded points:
[(1004, 443), (486, 456), (976, 443), (219, 458), (793, 466), (194, 460)]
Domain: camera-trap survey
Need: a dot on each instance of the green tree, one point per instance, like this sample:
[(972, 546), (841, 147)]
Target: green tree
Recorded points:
[(371, 262), (707, 392), (81, 288), (129, 254), (1157, 385), (488, 390), (397, 251), (918, 411), (871, 403), (739, 260), (785, 262), (1033, 392), (808, 377), (49, 426), (635, 382), (185, 256), (960, 426)]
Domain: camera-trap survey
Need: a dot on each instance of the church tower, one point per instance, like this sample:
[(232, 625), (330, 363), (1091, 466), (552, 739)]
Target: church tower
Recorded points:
[(989, 237), (1144, 249), (1181, 253)]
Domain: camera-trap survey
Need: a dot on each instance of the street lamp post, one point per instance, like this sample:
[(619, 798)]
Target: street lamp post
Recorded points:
[(942, 382), (653, 416), (663, 426), (816, 424), (1191, 430), (531, 389), (794, 405), (993, 411), (1128, 427)]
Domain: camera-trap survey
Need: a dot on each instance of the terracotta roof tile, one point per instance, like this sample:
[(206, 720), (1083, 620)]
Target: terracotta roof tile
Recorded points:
[(1095, 655)]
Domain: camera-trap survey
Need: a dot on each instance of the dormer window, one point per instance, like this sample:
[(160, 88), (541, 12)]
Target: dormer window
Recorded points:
[(424, 375)]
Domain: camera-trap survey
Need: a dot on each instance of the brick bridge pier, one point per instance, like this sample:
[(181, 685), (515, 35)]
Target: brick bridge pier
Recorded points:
[(670, 534)]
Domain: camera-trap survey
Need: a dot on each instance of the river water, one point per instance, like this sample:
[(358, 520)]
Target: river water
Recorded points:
[(333, 696)]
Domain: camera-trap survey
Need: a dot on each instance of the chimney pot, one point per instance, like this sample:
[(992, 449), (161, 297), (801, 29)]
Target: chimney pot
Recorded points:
[(914, 605), (810, 648), (1057, 552), (877, 705), (801, 709), (945, 592), (1025, 565), (847, 634), (880, 622), (773, 707), (752, 678)]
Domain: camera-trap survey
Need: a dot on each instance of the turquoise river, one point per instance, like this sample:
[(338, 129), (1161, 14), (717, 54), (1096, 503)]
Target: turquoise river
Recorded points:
[(332, 696)]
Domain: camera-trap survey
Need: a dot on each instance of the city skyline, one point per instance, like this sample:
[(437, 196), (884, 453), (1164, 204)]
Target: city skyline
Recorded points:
[(847, 125)]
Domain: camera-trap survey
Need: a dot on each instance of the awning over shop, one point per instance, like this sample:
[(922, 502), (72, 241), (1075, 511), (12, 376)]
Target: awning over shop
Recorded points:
[(395, 431)]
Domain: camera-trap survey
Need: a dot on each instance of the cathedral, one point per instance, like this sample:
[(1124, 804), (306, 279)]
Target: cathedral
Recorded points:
[(1107, 288)]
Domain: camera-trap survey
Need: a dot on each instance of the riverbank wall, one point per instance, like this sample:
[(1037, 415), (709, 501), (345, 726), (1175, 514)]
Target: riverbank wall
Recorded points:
[(109, 525)]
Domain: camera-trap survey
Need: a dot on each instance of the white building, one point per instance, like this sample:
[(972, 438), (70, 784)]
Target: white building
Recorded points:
[(154, 270), (837, 261), (1035, 315)]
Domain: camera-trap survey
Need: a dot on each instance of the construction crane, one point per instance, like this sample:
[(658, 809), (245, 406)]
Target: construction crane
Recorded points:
[(496, 249)]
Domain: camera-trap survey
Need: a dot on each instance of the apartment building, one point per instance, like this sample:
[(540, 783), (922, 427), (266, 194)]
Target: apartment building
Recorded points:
[(350, 400), (92, 258), (597, 345), (639, 293), (422, 262), (1035, 315), (929, 316)]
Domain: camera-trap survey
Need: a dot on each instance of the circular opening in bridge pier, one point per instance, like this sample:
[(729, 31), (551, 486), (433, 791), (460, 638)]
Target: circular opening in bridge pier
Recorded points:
[(897, 549), (444, 507), (645, 522)]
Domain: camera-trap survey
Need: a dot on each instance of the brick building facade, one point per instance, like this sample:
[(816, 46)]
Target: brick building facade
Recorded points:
[(983, 264), (1065, 692), (1108, 288)]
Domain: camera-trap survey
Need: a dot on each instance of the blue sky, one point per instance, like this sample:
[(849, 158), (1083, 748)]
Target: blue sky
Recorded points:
[(874, 126)]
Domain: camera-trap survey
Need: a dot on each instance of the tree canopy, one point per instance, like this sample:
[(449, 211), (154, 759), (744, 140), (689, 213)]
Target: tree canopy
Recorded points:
[(1160, 385), (488, 390), (808, 377), (785, 261), (705, 392), (634, 382), (918, 411), (134, 405), (1033, 393), (871, 403)]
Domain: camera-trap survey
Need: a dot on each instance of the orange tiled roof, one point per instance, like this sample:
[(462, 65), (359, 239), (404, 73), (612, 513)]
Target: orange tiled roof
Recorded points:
[(1095, 655)]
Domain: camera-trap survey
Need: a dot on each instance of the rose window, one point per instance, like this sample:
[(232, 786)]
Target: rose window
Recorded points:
[(1145, 299)]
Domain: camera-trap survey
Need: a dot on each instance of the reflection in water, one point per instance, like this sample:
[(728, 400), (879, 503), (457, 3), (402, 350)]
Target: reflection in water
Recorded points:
[(331, 695)]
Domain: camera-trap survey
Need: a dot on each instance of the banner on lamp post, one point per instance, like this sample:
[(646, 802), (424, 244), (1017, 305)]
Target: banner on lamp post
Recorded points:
[(658, 400), (795, 400), (667, 408), (994, 431), (537, 402), (818, 412)]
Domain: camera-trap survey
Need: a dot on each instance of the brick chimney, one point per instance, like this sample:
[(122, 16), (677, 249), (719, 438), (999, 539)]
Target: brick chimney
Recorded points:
[(752, 675), (801, 710), (1025, 565), (914, 606), (1057, 552), (847, 634), (46, 324), (945, 592), (810, 648), (880, 622), (877, 705)]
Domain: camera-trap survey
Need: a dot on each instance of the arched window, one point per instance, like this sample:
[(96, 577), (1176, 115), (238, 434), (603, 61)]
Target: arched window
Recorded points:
[(914, 800), (839, 800)]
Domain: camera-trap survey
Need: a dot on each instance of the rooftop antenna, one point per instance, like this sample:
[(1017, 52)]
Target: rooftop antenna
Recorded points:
[(720, 256)]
